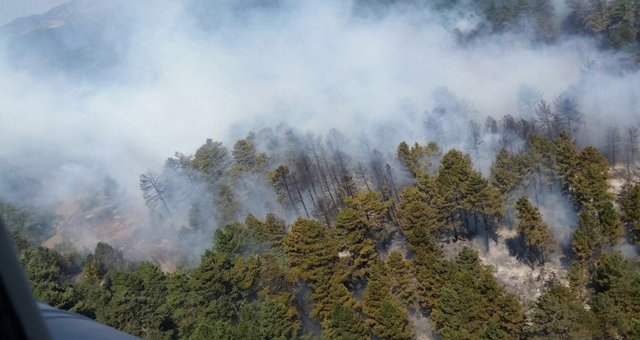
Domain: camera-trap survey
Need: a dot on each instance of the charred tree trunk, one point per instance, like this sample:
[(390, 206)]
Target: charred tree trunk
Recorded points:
[(364, 177), (313, 202), (393, 184), (322, 175), (304, 206), (153, 191), (378, 176), (286, 187), (334, 180), (488, 230), (309, 174)]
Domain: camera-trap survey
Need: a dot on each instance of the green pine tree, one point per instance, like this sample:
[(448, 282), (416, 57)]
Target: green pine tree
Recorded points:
[(534, 233)]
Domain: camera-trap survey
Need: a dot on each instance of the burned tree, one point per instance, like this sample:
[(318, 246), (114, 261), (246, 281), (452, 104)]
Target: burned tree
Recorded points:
[(154, 191), (631, 148), (567, 109), (323, 176), (280, 180), (613, 144), (475, 137), (546, 119)]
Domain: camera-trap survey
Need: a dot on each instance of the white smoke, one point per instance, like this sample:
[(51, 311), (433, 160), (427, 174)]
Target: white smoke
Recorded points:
[(313, 65)]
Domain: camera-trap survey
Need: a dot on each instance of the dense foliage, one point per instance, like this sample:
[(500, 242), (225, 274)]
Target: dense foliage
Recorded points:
[(614, 23), (336, 275), (313, 237)]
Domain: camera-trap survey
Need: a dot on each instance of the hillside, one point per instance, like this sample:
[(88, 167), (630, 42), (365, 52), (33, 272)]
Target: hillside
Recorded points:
[(274, 169), (400, 246)]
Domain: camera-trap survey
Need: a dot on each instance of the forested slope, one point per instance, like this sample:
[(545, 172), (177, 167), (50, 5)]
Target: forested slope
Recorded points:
[(366, 253), (378, 169)]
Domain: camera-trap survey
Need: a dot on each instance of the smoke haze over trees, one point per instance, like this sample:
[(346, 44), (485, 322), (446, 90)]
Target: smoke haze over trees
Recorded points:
[(335, 169)]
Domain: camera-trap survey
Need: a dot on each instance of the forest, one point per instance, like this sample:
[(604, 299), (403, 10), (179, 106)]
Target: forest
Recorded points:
[(524, 225), (367, 253)]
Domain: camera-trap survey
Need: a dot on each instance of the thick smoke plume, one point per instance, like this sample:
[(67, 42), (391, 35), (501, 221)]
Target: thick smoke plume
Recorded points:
[(145, 79)]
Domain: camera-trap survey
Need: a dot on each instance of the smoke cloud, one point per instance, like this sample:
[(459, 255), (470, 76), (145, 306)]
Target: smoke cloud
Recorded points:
[(149, 78)]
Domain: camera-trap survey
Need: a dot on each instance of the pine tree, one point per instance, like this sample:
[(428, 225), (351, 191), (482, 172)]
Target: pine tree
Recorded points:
[(374, 211), (394, 323), (630, 205), (271, 231), (309, 249), (211, 161), (589, 180), (355, 236), (558, 314), (136, 304), (433, 273), (344, 324), (227, 205), (274, 321), (471, 303), (586, 237), (565, 155), (404, 286), (567, 109), (386, 319), (328, 293), (631, 148), (404, 156), (44, 268), (616, 301), (484, 205), (546, 119), (281, 182), (475, 140), (623, 28), (246, 158), (455, 171), (534, 233), (109, 257), (609, 220), (182, 313), (419, 220), (507, 170), (510, 318), (154, 192)]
